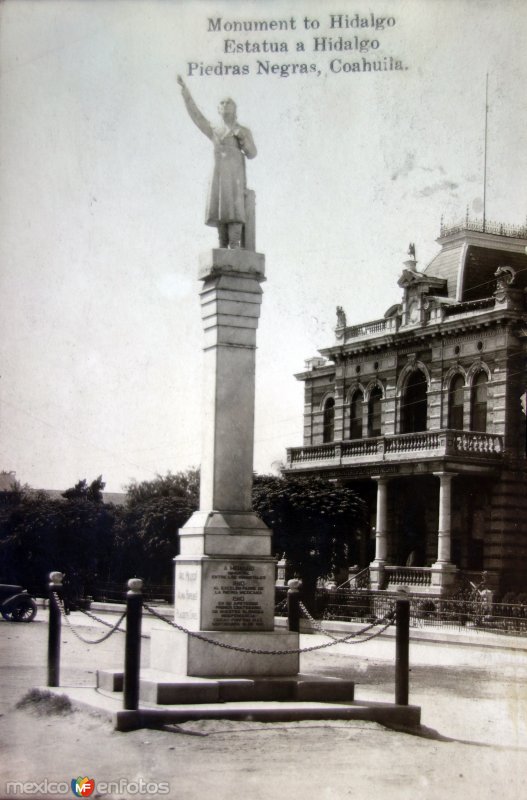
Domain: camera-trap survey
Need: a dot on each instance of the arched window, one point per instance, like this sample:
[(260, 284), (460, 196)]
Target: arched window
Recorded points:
[(356, 415), (374, 412), (455, 403), (329, 420), (478, 415), (413, 410)]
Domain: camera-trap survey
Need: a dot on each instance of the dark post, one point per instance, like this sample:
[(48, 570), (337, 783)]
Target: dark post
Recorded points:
[(293, 604), (402, 647), (132, 654), (55, 589)]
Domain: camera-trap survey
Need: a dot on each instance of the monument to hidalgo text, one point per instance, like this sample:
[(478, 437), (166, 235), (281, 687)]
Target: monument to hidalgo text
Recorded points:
[(225, 573)]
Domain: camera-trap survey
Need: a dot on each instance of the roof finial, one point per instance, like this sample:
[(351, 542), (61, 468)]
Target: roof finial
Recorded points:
[(411, 263)]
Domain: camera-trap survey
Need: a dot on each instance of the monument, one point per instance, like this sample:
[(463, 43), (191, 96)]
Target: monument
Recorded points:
[(221, 646), (225, 573)]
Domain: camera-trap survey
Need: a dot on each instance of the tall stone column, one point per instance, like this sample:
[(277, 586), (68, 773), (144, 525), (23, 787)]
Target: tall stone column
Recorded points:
[(225, 573), (225, 523), (444, 530), (443, 571), (230, 308), (381, 533)]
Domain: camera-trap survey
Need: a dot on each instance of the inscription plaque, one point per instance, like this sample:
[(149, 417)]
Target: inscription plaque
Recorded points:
[(238, 595)]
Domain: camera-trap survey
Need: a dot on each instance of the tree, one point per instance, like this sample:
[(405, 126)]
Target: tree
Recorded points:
[(182, 485), (81, 491), (315, 523), (155, 512), (41, 534)]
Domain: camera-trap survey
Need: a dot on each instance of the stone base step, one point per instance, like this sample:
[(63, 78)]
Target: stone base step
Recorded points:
[(163, 688), (110, 706), (390, 715)]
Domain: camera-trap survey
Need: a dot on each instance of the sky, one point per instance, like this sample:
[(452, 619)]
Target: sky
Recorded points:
[(103, 180)]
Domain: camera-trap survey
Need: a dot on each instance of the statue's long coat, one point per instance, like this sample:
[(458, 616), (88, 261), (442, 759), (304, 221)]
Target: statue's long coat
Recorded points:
[(226, 201)]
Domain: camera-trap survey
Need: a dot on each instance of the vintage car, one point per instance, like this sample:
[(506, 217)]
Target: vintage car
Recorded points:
[(16, 605)]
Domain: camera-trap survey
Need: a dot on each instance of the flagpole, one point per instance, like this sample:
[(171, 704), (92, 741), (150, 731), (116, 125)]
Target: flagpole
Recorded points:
[(485, 153)]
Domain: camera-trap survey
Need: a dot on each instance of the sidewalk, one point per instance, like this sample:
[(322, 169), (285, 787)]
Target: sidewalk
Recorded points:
[(473, 745)]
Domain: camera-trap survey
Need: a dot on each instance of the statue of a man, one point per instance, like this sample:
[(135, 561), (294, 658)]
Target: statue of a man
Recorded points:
[(232, 143)]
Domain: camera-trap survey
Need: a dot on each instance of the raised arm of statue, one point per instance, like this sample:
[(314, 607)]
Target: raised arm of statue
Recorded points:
[(194, 113)]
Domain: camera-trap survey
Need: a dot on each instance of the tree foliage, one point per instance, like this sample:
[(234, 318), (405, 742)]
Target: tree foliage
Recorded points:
[(39, 534), (182, 485), (82, 491), (315, 523), (93, 542)]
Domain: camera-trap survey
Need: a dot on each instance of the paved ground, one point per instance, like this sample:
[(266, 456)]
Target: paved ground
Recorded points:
[(473, 743)]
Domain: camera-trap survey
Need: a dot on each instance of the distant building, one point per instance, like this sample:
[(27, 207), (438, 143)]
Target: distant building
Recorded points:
[(421, 412), (8, 487)]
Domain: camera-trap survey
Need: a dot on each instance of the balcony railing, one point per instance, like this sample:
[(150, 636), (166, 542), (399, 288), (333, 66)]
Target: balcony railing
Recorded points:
[(487, 226), (408, 576), (469, 306), (367, 328), (404, 446)]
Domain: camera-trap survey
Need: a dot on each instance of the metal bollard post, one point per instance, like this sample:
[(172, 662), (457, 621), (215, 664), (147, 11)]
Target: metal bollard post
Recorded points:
[(402, 647), (55, 588), (132, 654), (293, 605)]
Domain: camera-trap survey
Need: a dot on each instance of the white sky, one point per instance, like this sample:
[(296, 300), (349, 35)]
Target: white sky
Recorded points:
[(103, 181)]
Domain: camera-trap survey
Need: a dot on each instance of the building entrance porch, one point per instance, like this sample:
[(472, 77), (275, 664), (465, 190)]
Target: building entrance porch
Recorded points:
[(428, 530)]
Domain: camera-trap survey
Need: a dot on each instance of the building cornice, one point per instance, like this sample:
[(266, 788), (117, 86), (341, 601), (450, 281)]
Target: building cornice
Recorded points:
[(467, 322)]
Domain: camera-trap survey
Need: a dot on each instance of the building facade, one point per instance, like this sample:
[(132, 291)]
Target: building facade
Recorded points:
[(421, 412)]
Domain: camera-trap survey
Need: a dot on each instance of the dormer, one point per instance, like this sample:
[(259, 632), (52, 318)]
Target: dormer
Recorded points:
[(417, 286)]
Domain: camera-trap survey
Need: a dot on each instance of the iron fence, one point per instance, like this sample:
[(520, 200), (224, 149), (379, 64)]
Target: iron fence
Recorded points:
[(280, 602), (116, 592), (345, 605)]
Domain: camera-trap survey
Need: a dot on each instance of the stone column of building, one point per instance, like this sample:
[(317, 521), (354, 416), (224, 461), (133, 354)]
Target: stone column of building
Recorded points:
[(443, 570), (381, 533)]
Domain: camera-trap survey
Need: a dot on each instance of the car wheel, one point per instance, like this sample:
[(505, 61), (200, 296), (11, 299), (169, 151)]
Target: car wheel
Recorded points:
[(25, 611)]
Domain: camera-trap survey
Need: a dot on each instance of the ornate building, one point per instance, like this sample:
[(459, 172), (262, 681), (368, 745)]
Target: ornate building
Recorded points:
[(421, 412)]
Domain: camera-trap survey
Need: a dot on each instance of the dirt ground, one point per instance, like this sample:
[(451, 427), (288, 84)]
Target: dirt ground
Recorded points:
[(473, 743)]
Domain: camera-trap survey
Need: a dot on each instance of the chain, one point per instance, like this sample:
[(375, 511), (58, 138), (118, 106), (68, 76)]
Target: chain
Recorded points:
[(386, 622), (108, 624), (316, 624), (78, 635), (98, 619)]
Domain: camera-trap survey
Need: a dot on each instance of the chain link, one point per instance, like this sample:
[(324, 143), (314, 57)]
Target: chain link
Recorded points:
[(108, 624), (98, 619), (385, 622), (78, 635), (316, 624)]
